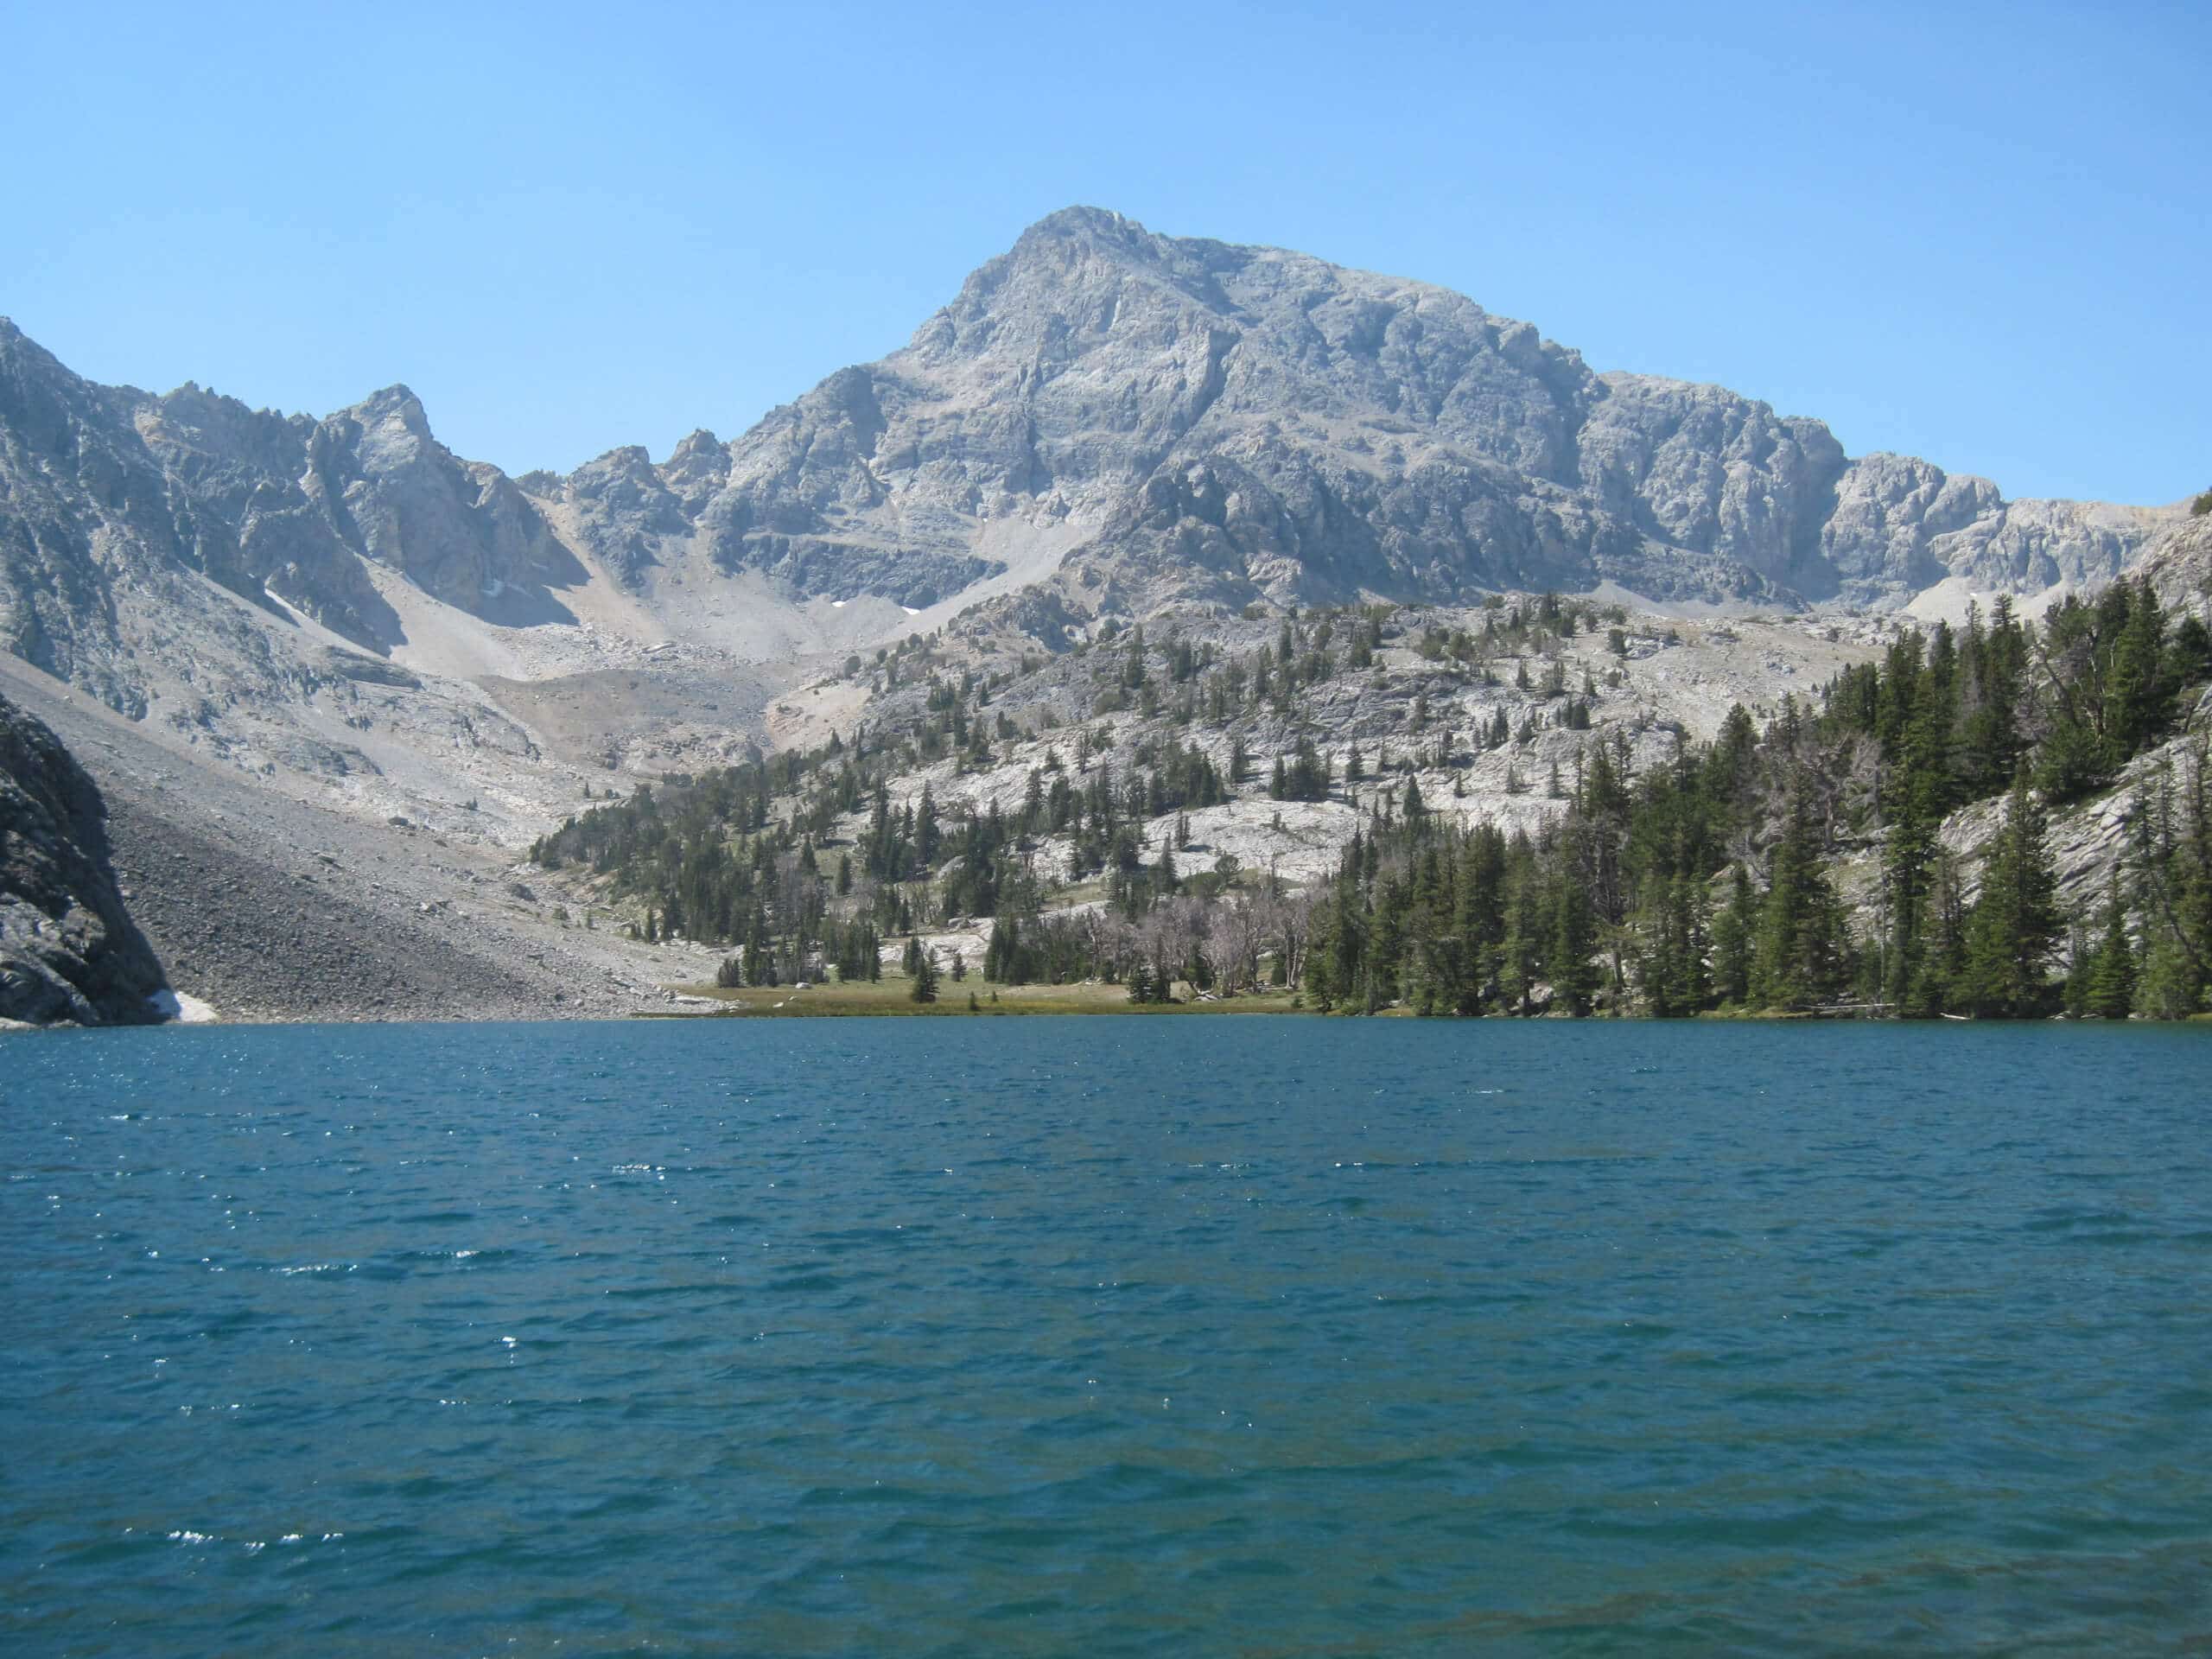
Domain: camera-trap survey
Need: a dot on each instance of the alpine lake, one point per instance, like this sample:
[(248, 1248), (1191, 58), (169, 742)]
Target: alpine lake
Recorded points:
[(1055, 1336)]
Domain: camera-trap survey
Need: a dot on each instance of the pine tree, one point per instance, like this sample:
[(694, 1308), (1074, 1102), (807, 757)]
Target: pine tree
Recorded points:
[(1518, 950), (1693, 982), (2016, 923), (1941, 967), (2173, 860), (1914, 800), (1798, 958), (1574, 938), (998, 965), (1995, 663), (1732, 932), (2111, 988), (924, 990), (927, 835), (2137, 697)]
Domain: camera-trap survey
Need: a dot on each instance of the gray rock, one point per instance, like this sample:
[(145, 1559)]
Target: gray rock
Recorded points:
[(1224, 423), (69, 952), (1130, 419), (2178, 564), (106, 492)]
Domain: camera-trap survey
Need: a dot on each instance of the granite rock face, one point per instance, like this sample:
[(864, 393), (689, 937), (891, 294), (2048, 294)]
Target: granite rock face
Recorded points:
[(69, 952), (107, 490), (1207, 422), (1132, 419), (2178, 564)]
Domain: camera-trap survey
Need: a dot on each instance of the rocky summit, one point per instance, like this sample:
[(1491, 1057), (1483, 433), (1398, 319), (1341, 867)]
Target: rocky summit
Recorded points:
[(1110, 419), (1146, 419)]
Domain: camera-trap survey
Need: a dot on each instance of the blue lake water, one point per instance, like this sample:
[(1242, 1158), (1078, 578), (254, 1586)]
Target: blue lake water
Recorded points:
[(1108, 1336)]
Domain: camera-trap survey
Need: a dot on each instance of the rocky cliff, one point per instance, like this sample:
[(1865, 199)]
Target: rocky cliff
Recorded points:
[(2179, 563), (107, 492), (69, 952), (1204, 421)]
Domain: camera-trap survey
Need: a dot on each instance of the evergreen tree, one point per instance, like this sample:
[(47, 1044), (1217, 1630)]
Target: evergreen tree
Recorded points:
[(1691, 983), (2111, 988), (1797, 961), (924, 990), (2173, 859), (1574, 938), (2016, 923), (1732, 933), (1941, 966), (1519, 951), (2137, 700)]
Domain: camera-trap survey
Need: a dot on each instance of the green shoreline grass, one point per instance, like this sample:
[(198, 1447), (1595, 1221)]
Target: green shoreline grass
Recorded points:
[(890, 996)]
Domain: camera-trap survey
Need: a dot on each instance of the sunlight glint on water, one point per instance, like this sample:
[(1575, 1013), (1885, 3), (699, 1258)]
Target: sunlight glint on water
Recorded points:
[(1106, 1336)]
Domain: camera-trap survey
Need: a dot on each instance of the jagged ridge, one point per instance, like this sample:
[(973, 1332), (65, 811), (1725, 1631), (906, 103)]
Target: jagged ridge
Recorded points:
[(1130, 419)]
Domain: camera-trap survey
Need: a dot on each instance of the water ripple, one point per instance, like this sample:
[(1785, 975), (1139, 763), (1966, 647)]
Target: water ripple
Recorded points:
[(909, 1337)]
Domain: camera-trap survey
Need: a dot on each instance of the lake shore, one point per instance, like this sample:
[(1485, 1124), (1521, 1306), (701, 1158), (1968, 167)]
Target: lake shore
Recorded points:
[(866, 998)]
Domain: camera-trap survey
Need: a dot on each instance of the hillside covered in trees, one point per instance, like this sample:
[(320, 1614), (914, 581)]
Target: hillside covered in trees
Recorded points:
[(1797, 864)]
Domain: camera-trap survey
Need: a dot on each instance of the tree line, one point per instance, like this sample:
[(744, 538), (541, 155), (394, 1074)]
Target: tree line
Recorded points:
[(1709, 881)]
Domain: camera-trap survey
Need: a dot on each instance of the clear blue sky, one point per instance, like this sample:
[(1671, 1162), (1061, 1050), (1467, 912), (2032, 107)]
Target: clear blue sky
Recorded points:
[(1983, 235)]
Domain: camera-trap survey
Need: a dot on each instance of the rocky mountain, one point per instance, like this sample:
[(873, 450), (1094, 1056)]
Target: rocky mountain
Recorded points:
[(386, 667), (108, 491), (1192, 420), (69, 952), (1113, 420)]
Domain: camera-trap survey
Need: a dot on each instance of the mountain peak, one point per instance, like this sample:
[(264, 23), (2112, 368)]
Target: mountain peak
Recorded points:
[(1081, 220), (1073, 231), (396, 402)]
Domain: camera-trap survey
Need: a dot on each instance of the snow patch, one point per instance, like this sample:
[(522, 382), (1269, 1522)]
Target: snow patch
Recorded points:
[(179, 1009)]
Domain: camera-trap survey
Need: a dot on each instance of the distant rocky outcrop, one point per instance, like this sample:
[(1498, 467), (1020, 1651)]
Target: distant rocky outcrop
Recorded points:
[(2179, 563), (110, 495), (69, 952)]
